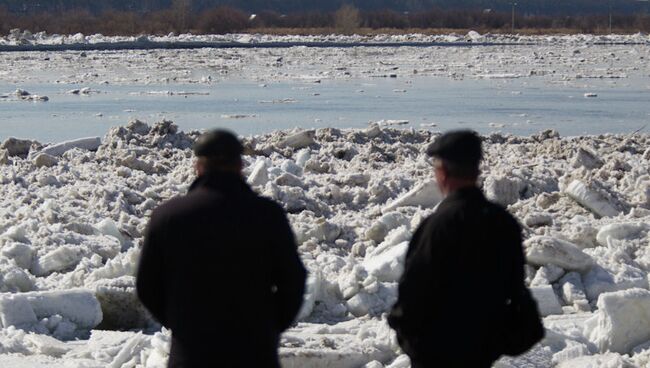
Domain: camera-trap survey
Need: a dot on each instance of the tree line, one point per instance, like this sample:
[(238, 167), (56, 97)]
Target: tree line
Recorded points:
[(532, 7), (181, 16)]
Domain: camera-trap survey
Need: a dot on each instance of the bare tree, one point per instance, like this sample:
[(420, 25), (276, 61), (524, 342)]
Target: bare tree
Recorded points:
[(183, 9), (347, 19)]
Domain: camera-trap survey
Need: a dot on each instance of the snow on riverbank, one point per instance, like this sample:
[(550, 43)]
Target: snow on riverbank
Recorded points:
[(18, 37), (70, 232)]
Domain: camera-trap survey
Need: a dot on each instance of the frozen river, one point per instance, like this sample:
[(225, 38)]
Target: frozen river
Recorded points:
[(71, 224), (519, 89), (520, 106)]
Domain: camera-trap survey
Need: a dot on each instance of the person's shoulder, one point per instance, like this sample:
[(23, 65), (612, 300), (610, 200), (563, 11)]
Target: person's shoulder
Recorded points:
[(448, 211), (181, 205), (269, 206), (436, 220), (500, 212), (167, 209)]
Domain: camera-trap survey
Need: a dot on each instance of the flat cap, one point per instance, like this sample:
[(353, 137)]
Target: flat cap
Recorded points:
[(218, 143), (459, 146)]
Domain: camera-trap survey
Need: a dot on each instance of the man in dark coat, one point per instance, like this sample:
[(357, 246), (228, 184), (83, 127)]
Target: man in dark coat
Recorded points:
[(219, 266), (463, 263)]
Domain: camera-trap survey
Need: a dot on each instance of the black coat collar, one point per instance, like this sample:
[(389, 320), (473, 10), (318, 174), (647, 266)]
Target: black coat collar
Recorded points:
[(222, 182), (467, 193)]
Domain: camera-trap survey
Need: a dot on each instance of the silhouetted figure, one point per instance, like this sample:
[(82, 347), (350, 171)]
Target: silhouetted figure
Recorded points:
[(463, 264), (219, 266)]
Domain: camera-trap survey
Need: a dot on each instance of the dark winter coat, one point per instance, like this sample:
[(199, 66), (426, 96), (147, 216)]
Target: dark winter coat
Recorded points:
[(462, 264), (219, 267)]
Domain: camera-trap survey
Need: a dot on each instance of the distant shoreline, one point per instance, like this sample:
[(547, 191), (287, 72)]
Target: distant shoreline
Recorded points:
[(136, 45), (25, 41)]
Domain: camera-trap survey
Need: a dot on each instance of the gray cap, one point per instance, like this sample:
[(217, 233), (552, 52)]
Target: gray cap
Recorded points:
[(459, 146), (218, 143)]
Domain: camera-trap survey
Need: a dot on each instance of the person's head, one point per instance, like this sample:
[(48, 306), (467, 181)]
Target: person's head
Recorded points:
[(456, 158), (218, 151)]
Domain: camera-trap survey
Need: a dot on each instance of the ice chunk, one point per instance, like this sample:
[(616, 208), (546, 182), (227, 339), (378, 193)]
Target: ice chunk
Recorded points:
[(321, 229), (591, 199), (108, 227), (538, 219), (547, 275), (395, 237), (337, 346), (503, 190), (16, 279), (573, 350), (77, 305), (389, 265), (121, 308), (587, 158), (572, 289), (60, 259), (620, 231), (291, 167), (373, 131), (259, 175), (290, 180), (299, 140), (424, 195), (45, 160), (4, 157), (401, 361), (613, 277), (138, 127), (373, 364), (17, 233), (90, 144), (17, 147), (124, 264), (46, 345), (473, 36), (361, 304), (161, 346), (129, 350), (542, 250), (622, 321), (302, 157), (356, 179), (349, 282), (608, 360), (312, 293), (374, 300), (21, 254), (546, 300), (385, 224), (15, 310)]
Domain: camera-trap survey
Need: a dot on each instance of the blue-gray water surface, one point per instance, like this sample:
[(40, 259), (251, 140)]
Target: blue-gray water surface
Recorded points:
[(520, 106)]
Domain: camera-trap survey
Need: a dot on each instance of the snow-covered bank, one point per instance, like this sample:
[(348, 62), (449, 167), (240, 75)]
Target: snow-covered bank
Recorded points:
[(354, 197), (17, 37)]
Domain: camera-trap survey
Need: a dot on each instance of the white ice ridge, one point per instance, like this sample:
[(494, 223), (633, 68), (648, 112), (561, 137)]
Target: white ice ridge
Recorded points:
[(60, 313), (18, 37), (622, 321), (71, 226), (91, 144)]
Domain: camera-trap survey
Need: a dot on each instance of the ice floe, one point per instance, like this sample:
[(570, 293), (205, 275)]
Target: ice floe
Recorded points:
[(73, 217)]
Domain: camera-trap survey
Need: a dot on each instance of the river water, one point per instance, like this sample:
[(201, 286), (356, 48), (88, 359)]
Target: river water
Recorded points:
[(520, 106)]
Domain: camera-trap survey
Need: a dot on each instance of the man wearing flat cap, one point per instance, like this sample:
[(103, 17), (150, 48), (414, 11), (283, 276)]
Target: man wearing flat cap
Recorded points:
[(219, 266), (462, 265)]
